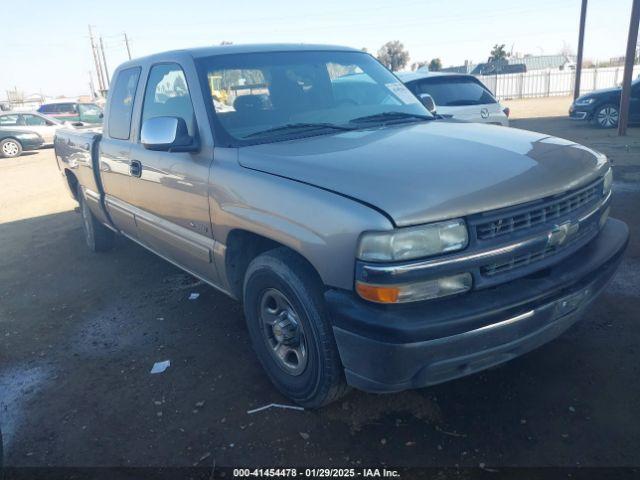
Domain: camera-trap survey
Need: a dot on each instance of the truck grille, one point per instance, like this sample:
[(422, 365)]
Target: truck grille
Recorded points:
[(528, 258), (539, 213)]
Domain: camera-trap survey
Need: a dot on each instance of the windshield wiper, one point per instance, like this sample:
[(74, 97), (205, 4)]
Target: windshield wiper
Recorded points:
[(295, 127), (388, 117)]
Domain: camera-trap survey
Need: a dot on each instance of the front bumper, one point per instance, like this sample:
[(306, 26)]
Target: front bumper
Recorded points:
[(580, 113), (30, 144), (394, 348)]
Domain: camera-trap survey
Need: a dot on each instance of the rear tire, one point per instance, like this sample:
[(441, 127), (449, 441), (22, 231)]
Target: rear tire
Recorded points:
[(10, 148), (98, 237), (290, 329), (607, 116)]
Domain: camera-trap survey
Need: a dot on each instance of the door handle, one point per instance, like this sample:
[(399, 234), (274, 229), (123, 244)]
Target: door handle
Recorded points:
[(135, 169)]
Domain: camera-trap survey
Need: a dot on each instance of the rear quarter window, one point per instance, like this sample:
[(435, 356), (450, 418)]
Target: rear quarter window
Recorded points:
[(121, 106)]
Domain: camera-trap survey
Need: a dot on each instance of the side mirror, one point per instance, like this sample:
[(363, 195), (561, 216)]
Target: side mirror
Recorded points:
[(428, 102), (167, 134), (101, 115)]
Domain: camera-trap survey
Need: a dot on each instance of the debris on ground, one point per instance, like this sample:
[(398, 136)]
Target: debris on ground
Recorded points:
[(305, 436), (160, 367), (194, 296), (203, 457), (200, 404), (452, 434), (276, 405)]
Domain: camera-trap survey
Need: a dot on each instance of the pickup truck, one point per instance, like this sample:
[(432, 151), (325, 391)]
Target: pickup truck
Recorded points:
[(371, 244)]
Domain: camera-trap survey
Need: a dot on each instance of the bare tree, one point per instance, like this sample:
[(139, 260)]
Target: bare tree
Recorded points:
[(418, 65), (567, 50), (393, 55)]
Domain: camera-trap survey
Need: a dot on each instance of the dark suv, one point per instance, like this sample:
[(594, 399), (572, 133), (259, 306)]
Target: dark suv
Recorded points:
[(601, 106)]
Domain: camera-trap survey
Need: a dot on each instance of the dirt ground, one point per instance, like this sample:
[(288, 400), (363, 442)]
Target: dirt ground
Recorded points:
[(79, 333)]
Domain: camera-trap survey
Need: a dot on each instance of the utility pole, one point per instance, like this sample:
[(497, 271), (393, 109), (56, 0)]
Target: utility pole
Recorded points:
[(104, 60), (126, 42), (629, 59), (92, 87), (96, 61), (583, 20)]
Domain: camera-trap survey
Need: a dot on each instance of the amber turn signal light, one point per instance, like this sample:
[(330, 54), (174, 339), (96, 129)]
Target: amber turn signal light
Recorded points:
[(378, 293)]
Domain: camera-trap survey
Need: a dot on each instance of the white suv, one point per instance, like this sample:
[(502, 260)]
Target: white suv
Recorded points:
[(458, 96)]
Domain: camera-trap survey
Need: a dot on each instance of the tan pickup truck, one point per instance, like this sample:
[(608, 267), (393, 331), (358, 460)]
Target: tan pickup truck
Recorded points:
[(371, 243)]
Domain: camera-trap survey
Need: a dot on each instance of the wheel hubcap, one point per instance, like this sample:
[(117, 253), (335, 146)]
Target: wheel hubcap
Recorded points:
[(283, 332), (10, 148), (608, 117)]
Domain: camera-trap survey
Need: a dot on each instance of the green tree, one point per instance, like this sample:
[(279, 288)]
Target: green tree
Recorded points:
[(435, 65), (498, 53), (393, 55)]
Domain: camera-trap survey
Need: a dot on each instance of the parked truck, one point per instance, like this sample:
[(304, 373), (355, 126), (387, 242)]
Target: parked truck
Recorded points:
[(371, 244)]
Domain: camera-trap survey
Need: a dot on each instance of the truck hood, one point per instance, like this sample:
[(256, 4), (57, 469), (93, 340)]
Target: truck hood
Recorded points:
[(432, 171)]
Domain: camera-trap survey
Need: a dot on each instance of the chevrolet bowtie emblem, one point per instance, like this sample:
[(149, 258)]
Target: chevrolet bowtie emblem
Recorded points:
[(560, 233)]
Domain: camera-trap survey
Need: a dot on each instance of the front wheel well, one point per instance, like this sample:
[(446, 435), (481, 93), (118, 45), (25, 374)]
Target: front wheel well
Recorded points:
[(242, 247)]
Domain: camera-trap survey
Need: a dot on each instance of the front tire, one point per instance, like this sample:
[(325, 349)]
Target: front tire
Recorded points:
[(10, 148), (290, 330), (98, 237), (607, 116)]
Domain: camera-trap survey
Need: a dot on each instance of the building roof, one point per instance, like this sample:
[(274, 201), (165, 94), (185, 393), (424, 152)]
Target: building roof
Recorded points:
[(514, 65), (542, 62)]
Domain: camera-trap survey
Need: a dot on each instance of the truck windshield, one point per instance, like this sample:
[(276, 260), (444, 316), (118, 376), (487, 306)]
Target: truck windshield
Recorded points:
[(275, 96)]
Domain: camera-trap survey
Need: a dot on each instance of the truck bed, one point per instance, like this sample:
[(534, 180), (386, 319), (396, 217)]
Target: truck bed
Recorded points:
[(77, 156)]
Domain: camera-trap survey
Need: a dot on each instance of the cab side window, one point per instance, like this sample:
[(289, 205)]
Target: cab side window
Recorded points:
[(167, 95), (34, 121), (121, 107)]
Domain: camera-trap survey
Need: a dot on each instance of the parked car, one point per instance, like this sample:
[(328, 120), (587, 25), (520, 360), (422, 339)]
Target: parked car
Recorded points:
[(370, 245), (45, 126), (85, 113), (601, 107), (458, 96), (14, 142)]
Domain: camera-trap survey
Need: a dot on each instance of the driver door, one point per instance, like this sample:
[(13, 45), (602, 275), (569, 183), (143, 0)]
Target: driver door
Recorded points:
[(171, 189)]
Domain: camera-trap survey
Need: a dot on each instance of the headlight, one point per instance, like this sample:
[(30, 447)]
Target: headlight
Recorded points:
[(414, 242), (607, 182), (414, 292), (584, 101)]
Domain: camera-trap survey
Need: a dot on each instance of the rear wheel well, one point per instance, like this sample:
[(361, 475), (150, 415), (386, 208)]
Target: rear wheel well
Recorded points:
[(72, 181), (242, 248)]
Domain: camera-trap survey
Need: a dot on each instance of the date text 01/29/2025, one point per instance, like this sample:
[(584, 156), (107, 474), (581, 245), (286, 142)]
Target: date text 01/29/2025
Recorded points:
[(315, 472)]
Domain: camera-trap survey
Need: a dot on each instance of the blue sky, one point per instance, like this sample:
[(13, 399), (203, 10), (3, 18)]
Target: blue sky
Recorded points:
[(46, 48)]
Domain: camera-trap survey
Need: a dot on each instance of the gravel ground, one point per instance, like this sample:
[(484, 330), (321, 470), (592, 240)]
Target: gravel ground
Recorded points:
[(80, 332)]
